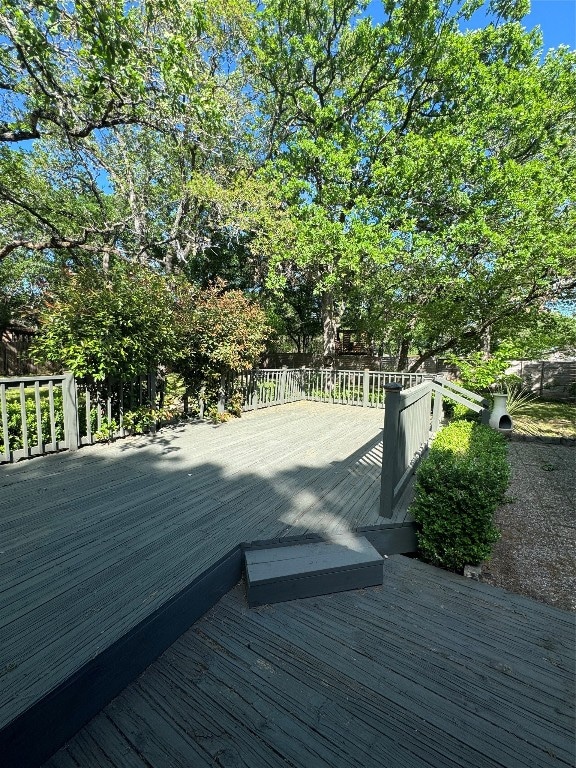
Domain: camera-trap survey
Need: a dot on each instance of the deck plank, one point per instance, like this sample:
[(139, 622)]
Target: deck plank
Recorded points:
[(92, 542), (467, 675)]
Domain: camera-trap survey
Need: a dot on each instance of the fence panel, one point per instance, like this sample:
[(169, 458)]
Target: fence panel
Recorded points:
[(44, 414), (274, 386), (264, 387), (32, 420), (101, 406), (407, 432)]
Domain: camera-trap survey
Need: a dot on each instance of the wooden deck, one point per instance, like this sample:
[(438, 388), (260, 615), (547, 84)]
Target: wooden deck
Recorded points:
[(93, 542), (429, 671)]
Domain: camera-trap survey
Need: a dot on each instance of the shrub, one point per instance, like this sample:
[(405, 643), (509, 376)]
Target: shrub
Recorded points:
[(458, 488), (460, 411), (114, 324), (479, 374)]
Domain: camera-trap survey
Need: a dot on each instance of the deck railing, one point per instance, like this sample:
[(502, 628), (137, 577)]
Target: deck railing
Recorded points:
[(407, 432), (102, 406), (275, 386), (44, 414), (270, 386), (36, 415), (411, 419)]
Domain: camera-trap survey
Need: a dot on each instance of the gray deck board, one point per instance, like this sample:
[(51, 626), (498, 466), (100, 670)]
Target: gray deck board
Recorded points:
[(430, 670), (92, 542)]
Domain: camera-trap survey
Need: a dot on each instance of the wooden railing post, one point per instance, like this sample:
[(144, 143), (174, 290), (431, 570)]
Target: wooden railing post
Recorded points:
[(390, 447), (70, 408), (222, 394), (283, 377), (366, 388), (437, 412)]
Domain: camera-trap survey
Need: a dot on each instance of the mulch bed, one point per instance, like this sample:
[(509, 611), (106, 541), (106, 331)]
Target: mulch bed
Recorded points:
[(536, 554)]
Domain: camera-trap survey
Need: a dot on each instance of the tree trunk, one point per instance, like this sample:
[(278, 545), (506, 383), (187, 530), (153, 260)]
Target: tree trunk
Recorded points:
[(487, 343), (402, 363), (329, 324), (421, 359)]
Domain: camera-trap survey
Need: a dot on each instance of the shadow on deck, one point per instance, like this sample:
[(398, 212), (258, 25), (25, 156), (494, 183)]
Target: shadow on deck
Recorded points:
[(110, 553)]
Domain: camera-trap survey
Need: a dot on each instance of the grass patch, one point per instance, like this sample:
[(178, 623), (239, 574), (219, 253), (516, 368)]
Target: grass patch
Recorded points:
[(542, 418)]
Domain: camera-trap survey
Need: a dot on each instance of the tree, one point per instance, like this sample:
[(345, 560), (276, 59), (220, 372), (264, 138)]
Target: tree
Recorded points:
[(92, 86), (489, 241), (541, 335), (428, 171)]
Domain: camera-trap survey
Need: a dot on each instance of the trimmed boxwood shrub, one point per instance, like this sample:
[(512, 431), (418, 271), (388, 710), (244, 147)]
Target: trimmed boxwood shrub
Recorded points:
[(458, 488)]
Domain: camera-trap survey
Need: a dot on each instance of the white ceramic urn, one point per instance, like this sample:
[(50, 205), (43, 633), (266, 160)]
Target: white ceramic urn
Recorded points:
[(499, 418)]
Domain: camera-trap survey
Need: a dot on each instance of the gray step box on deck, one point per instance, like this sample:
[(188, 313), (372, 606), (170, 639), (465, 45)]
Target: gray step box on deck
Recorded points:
[(282, 573)]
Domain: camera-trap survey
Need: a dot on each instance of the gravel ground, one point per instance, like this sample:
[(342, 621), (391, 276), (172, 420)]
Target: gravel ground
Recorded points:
[(536, 554)]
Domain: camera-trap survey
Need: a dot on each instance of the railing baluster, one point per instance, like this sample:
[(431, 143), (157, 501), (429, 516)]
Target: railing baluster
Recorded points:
[(88, 401), (121, 408), (24, 424), (53, 437), (5, 435), (38, 415)]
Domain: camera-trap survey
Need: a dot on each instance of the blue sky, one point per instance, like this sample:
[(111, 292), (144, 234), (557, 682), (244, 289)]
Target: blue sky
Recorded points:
[(556, 19)]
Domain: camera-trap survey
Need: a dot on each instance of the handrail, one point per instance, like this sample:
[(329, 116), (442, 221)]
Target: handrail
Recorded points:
[(470, 399), (15, 381), (409, 425)]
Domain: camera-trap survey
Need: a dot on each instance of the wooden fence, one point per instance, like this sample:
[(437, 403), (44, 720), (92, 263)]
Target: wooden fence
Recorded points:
[(43, 414)]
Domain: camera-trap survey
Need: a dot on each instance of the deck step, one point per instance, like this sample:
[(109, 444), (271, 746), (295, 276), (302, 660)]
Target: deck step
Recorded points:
[(277, 574)]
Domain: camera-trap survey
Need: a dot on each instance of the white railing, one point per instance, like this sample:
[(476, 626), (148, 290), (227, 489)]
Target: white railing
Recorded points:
[(275, 386)]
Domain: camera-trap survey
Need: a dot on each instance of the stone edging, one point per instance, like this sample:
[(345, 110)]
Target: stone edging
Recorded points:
[(520, 438)]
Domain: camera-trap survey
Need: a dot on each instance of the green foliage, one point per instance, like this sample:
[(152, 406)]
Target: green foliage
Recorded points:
[(406, 177), (426, 203), (460, 411), (220, 331), (107, 430), (218, 417), (548, 331), (146, 418), (117, 323), (22, 283), (234, 404), (479, 373), (459, 486), (517, 398)]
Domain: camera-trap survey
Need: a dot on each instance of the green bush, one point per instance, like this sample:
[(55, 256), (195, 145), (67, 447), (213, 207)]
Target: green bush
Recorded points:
[(454, 410), (458, 488)]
